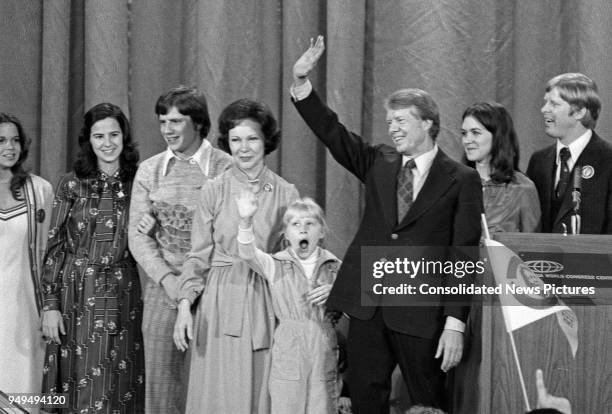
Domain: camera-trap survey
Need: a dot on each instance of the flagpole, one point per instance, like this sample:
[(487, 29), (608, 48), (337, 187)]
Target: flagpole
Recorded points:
[(485, 229), (520, 372)]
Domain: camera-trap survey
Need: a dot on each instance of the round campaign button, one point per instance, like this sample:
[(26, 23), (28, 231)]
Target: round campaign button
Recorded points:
[(587, 172)]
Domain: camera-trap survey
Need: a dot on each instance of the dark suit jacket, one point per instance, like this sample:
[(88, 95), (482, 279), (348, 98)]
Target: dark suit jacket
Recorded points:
[(596, 194), (446, 212)]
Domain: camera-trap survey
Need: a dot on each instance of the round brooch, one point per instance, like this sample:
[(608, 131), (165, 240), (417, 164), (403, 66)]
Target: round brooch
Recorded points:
[(587, 172), (40, 215), (267, 187)]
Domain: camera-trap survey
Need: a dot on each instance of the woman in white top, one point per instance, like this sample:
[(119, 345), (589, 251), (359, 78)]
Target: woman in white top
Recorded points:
[(25, 202)]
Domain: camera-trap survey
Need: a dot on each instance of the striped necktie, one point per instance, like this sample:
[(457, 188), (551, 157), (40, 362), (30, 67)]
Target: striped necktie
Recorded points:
[(564, 175), (405, 189)]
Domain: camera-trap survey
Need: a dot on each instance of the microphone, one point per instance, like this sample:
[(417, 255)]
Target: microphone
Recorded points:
[(577, 187)]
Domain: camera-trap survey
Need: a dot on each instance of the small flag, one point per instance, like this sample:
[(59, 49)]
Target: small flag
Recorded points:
[(520, 310)]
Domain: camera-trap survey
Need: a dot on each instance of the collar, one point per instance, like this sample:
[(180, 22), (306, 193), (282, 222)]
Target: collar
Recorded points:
[(423, 162), (312, 259), (201, 157), (262, 179), (323, 256), (106, 177), (576, 147)]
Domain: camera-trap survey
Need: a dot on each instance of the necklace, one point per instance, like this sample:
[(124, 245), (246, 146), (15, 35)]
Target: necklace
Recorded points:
[(254, 183), (256, 178)]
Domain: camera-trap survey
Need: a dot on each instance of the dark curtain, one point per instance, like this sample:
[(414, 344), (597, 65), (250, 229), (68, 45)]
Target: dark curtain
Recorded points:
[(60, 57)]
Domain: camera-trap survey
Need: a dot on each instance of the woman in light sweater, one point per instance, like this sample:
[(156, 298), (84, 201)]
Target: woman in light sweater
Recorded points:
[(231, 333)]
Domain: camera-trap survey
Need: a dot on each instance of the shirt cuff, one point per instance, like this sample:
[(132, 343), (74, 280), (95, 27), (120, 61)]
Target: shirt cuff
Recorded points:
[(163, 277), (51, 304), (245, 236), (454, 324), (301, 92), (191, 295), (157, 273)]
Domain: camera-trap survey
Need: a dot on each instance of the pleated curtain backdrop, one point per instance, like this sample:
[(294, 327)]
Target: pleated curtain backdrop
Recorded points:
[(60, 57)]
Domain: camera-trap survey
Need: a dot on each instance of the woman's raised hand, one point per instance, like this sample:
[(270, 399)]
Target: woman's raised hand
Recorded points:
[(247, 204), (306, 63)]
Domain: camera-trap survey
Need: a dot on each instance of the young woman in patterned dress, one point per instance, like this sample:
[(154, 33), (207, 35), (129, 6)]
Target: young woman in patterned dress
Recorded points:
[(92, 305)]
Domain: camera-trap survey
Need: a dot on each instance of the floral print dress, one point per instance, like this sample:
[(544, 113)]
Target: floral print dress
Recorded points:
[(91, 278)]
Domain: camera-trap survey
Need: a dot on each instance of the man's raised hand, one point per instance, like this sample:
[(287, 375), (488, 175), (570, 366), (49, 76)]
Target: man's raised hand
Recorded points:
[(306, 63)]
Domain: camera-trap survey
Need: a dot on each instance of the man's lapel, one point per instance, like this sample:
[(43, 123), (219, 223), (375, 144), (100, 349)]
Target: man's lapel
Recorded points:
[(439, 180), (386, 186)]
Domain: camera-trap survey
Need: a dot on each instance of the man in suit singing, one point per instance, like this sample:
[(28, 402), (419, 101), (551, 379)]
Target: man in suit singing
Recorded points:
[(578, 160), (414, 196)]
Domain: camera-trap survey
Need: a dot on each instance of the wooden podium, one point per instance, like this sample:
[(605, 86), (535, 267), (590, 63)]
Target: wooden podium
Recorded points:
[(585, 380)]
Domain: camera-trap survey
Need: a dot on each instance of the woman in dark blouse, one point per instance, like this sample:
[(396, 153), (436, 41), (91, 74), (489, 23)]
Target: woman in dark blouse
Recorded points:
[(510, 204), (510, 198)]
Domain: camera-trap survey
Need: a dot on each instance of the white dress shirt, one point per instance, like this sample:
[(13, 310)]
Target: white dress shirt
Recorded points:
[(575, 149), (200, 157)]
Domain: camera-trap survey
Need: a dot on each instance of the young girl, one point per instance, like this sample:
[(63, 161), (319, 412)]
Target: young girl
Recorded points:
[(304, 361)]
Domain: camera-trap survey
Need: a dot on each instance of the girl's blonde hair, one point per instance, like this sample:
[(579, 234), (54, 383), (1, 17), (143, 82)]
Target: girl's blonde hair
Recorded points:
[(305, 205)]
